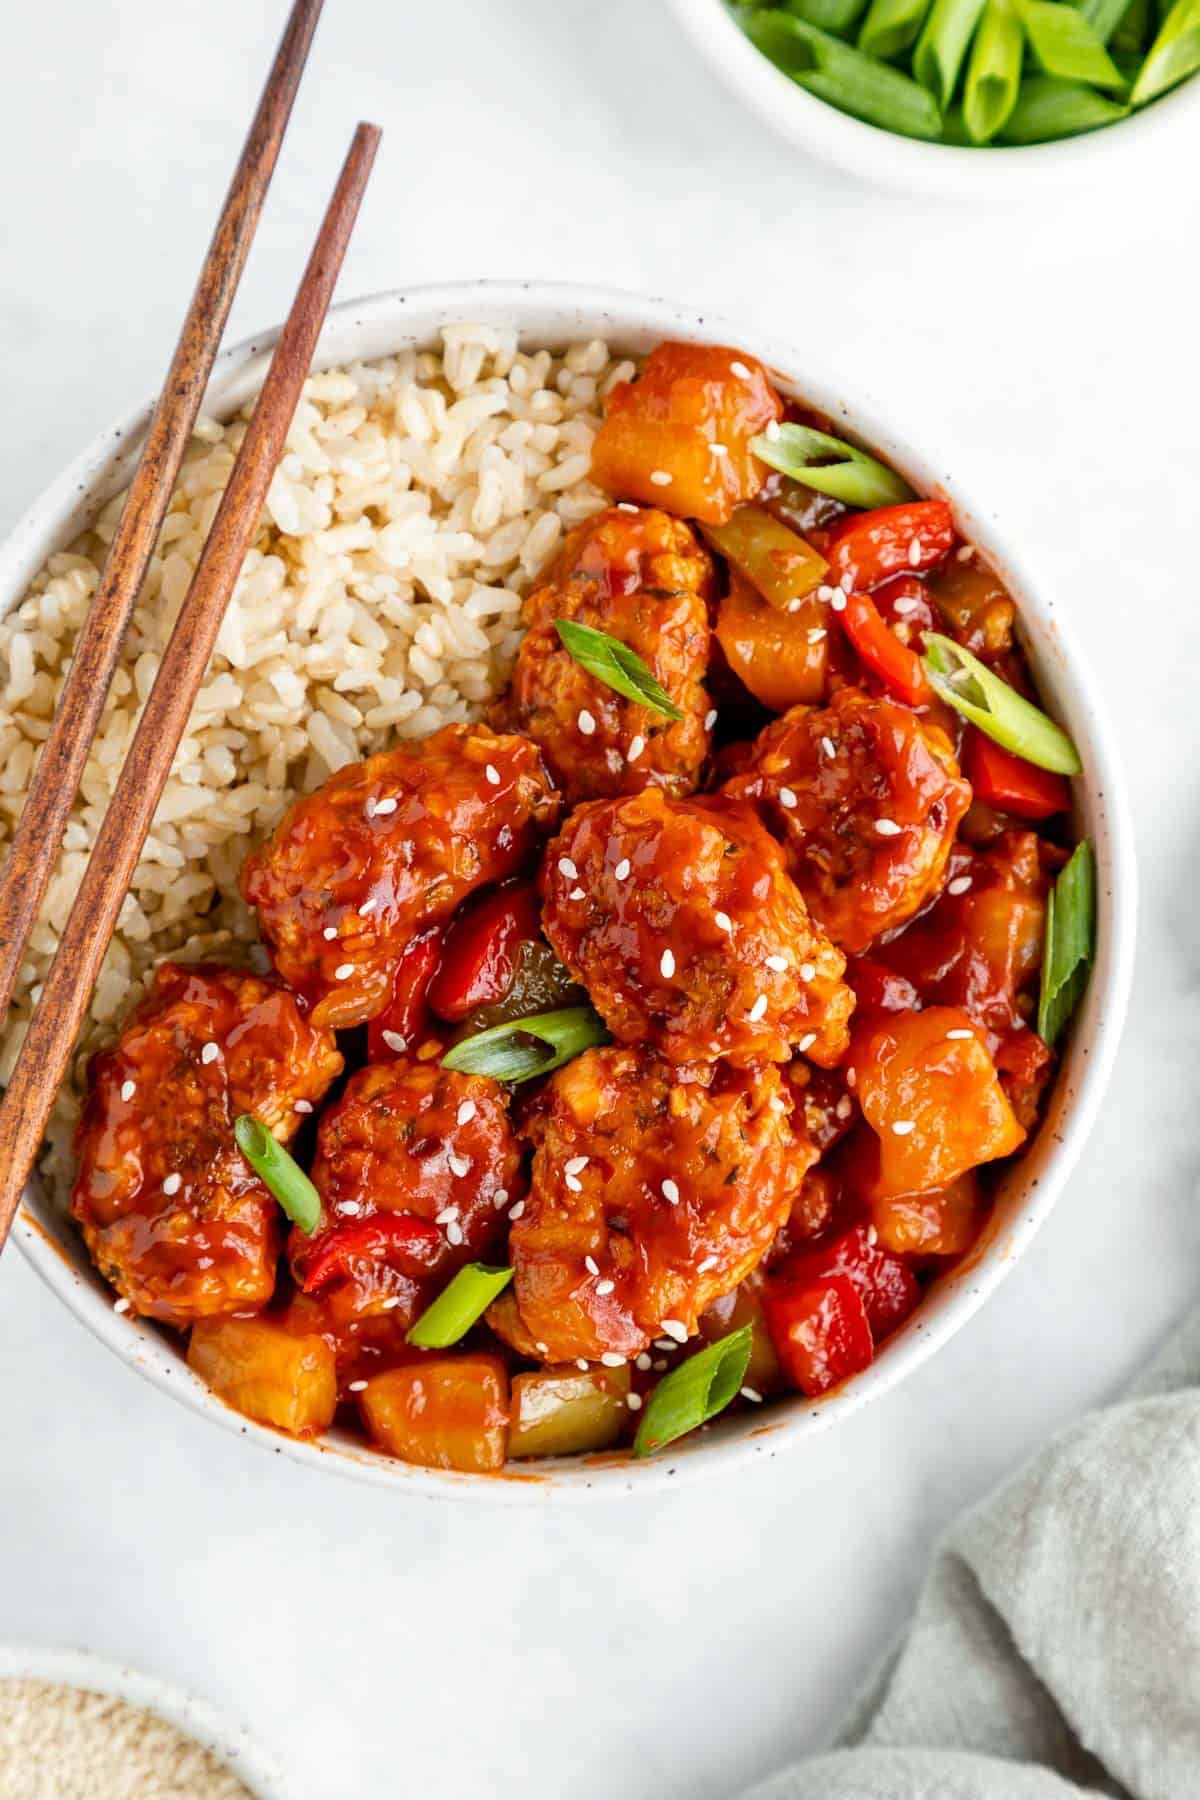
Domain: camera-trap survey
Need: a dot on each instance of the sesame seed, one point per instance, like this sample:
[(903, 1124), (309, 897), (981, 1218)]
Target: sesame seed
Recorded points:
[(567, 867), (749, 1393), (302, 1106), (710, 718), (542, 1349), (902, 1127), (778, 963), (709, 1262), (828, 746), (634, 1401), (581, 1362), (825, 592), (586, 722), (905, 604), (815, 632), (666, 964), (807, 1041), (957, 1035), (636, 746), (173, 1183), (794, 605), (740, 370), (719, 449), (343, 972), (493, 774), (576, 1163), (516, 1211), (772, 431), (724, 921), (356, 1387), (466, 1112), (128, 1090), (329, 933), (611, 1360), (960, 885), (350, 1209), (872, 1235), (621, 872), (808, 971), (674, 1329), (887, 828), (660, 1362), (844, 1107), (670, 1191), (386, 806), (643, 1361), (121, 1305), (605, 1287), (390, 1304), (787, 798), (914, 550), (500, 1199), (210, 1053), (395, 1042), (454, 1233), (447, 1216), (459, 1165), (368, 906), (576, 893), (758, 1009), (838, 599), (660, 477), (589, 1263), (851, 1078), (626, 506), (966, 552)]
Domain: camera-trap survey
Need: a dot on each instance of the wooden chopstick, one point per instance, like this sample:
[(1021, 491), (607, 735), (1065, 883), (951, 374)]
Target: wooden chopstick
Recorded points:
[(35, 846), (46, 1052)]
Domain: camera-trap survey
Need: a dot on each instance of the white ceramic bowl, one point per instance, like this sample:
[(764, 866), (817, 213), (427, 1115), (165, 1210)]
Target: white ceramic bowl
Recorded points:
[(900, 162), (229, 1743), (555, 315)]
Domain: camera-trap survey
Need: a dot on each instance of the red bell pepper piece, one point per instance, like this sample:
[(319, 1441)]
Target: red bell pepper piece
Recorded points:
[(878, 989), (865, 548), (1022, 1054), (404, 1017), (820, 1333), (403, 1240), (899, 668), (886, 1286), (480, 955), (1011, 784)]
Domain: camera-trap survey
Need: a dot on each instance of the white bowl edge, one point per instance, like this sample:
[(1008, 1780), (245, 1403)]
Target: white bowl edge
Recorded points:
[(553, 314)]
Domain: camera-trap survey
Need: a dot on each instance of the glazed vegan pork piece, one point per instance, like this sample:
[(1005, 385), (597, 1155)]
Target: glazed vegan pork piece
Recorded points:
[(832, 915)]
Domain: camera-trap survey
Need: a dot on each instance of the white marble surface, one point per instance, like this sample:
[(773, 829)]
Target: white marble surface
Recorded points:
[(679, 1646)]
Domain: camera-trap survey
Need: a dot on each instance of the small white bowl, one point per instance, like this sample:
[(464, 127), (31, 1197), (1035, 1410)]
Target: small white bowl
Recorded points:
[(230, 1744), (555, 314), (899, 162)]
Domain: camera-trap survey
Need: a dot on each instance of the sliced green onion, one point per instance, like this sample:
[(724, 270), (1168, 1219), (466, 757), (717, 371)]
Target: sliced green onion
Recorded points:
[(1102, 15), (693, 1393), (832, 466), (452, 1314), (994, 71), (1047, 109), (942, 45), (892, 27), (614, 663), (522, 1048), (971, 688), (1070, 942), (844, 76), (280, 1172), (1066, 45), (1174, 54), (837, 16), (1132, 29)]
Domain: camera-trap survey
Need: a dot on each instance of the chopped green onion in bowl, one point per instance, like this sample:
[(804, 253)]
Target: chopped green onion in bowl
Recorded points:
[(997, 709), (832, 466), (466, 1299), (614, 663), (279, 1171), (521, 1049), (1070, 942), (694, 1393)]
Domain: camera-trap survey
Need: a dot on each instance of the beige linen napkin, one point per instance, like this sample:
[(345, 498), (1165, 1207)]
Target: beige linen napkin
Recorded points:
[(1055, 1651)]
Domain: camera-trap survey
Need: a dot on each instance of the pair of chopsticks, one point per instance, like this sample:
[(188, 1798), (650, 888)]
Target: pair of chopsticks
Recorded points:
[(46, 1052)]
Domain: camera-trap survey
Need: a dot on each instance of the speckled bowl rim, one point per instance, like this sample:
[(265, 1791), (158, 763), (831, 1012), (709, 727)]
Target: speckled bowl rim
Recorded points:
[(231, 1744), (554, 314), (899, 162)]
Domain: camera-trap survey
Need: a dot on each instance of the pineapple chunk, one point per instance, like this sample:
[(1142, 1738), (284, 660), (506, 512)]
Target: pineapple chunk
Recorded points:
[(445, 1412), (262, 1370), (562, 1412), (744, 1307)]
